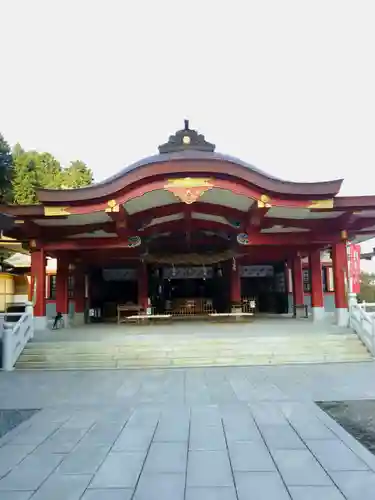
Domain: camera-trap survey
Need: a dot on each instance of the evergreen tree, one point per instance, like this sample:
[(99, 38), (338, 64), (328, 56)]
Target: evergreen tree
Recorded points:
[(24, 180), (17, 150), (76, 175), (6, 162), (367, 287), (33, 170), (48, 172)]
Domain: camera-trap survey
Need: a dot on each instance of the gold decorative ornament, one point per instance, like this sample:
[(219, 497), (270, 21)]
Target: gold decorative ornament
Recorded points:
[(32, 244), (321, 204), (344, 234), (112, 206), (186, 139), (56, 211), (19, 221), (264, 201)]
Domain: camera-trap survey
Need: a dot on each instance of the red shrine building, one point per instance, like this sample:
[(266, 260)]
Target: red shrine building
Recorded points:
[(190, 231)]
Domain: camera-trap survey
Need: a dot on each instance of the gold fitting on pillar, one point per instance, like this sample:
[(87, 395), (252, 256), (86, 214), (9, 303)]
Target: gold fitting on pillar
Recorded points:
[(344, 234)]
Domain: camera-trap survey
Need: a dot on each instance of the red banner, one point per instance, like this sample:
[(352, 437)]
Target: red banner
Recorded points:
[(355, 267)]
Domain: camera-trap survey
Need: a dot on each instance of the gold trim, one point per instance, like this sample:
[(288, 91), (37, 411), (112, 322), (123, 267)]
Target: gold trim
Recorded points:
[(321, 204), (56, 211), (19, 221), (189, 182), (344, 234)]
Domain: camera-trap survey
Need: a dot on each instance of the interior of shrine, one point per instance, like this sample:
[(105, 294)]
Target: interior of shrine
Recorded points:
[(189, 290)]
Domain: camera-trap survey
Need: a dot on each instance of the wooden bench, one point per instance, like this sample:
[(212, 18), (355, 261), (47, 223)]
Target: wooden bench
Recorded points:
[(124, 309), (147, 318)]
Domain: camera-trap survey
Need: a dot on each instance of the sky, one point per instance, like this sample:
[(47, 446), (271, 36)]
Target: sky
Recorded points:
[(285, 85)]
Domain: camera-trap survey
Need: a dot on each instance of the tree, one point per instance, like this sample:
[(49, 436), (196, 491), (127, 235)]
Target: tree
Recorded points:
[(6, 162), (24, 180), (17, 150), (48, 172), (33, 170), (367, 287), (76, 175)]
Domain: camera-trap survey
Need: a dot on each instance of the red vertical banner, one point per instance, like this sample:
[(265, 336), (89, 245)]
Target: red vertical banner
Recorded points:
[(355, 267)]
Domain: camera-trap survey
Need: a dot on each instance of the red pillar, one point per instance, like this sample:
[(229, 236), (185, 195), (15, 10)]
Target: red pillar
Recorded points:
[(340, 277), (235, 284), (297, 278), (38, 283), (317, 297), (62, 275), (142, 286)]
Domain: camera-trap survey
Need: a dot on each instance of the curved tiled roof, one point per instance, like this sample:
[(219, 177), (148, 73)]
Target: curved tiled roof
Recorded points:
[(195, 162)]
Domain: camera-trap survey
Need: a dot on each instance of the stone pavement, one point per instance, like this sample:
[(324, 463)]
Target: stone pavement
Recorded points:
[(193, 434)]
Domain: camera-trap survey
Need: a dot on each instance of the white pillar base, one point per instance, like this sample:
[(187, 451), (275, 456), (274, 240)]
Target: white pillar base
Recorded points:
[(40, 322), (78, 319), (342, 316), (318, 313), (67, 320)]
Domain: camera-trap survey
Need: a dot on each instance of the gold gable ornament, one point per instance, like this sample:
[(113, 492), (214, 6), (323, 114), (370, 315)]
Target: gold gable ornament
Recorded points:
[(188, 189)]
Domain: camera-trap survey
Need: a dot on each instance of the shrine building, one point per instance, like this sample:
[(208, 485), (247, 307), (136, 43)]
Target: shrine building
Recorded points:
[(189, 232)]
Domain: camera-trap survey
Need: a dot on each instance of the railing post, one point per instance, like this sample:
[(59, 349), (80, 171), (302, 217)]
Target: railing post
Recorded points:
[(373, 336), (30, 312), (7, 348)]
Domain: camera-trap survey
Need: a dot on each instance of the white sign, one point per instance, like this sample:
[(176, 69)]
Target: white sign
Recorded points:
[(120, 274), (256, 271), (183, 273)]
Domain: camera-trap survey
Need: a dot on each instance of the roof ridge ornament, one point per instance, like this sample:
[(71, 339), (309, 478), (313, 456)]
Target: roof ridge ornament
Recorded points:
[(186, 139)]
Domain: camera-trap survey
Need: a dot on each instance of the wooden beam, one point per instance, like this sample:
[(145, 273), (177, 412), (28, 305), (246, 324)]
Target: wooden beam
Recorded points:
[(121, 219), (188, 224), (255, 218), (195, 224), (256, 239)]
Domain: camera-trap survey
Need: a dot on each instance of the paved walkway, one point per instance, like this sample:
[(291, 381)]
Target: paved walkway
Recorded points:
[(197, 434)]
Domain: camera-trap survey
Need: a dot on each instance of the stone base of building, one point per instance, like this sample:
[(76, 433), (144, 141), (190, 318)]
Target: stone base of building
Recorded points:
[(342, 316), (318, 313), (78, 319), (40, 322)]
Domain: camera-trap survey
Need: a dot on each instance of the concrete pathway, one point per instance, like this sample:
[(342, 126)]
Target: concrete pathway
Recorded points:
[(212, 434)]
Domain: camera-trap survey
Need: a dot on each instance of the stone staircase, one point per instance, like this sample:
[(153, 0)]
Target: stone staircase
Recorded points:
[(168, 351)]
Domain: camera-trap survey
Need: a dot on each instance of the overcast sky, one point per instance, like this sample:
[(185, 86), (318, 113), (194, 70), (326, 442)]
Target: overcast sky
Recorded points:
[(288, 86)]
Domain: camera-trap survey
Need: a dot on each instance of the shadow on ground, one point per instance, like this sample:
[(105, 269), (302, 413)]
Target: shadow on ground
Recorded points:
[(9, 419), (357, 417)]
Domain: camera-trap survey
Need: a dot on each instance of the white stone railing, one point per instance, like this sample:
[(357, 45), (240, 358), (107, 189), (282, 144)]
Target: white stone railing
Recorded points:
[(15, 335), (363, 323), (369, 307)]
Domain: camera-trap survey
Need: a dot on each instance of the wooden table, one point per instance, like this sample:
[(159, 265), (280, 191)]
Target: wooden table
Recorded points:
[(126, 308)]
